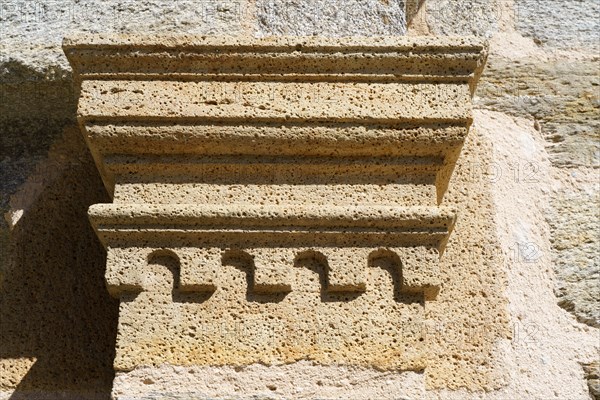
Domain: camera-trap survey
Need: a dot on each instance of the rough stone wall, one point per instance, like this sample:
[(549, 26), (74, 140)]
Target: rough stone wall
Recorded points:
[(539, 93), (327, 18), (543, 69)]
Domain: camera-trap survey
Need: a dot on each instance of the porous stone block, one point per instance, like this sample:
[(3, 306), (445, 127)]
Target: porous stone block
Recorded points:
[(199, 268), (277, 199), (272, 269), (124, 267), (346, 269), (420, 270)]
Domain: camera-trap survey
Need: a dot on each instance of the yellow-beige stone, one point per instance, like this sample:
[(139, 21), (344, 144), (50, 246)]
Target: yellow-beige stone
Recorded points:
[(277, 200)]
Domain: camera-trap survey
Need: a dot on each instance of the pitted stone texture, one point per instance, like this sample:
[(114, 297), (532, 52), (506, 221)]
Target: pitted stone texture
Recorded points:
[(310, 139), (236, 326), (469, 318), (560, 24), (546, 346), (457, 279), (469, 335), (343, 193), (356, 291), (387, 57), (272, 269), (198, 269), (274, 101), (344, 269), (359, 97), (330, 18), (533, 376), (123, 266), (421, 271)]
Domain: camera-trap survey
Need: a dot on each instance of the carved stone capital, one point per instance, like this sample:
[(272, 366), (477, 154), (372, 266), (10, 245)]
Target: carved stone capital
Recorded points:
[(274, 158)]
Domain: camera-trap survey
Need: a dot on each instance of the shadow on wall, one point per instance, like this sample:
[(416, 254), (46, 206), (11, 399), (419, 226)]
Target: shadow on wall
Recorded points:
[(57, 321)]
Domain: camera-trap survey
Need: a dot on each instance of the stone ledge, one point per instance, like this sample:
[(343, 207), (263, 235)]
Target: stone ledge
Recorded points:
[(176, 57), (285, 218)]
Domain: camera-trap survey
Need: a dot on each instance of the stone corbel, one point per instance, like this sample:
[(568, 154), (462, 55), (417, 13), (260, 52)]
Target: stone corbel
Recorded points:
[(273, 150)]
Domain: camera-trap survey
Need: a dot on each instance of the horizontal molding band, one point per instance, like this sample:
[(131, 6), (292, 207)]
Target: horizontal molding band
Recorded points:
[(279, 44), (251, 159), (237, 216), (274, 170), (270, 78), (418, 57), (275, 139), (340, 128), (263, 101), (107, 119)]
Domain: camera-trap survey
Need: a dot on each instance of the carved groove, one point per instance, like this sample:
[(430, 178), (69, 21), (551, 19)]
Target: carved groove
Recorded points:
[(268, 269)]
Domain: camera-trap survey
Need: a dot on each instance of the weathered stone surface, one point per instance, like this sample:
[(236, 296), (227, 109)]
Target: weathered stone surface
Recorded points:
[(26, 136), (575, 222), (592, 372), (32, 32), (546, 345), (258, 381), (560, 98), (560, 95), (562, 24), (57, 326), (552, 80), (397, 116), (547, 341), (330, 18), (36, 95), (540, 354)]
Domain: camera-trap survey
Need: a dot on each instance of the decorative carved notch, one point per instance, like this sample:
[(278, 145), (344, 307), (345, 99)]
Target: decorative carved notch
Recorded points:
[(289, 187)]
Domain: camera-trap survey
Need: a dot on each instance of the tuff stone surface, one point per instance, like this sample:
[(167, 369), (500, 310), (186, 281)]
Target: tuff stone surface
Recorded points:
[(288, 280), (58, 326), (540, 360)]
